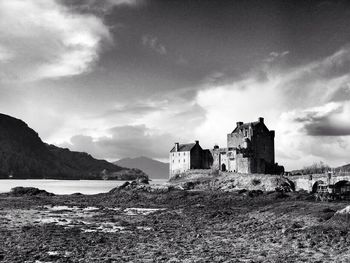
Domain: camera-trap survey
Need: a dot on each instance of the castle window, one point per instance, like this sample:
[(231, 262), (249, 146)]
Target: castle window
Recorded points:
[(184, 160)]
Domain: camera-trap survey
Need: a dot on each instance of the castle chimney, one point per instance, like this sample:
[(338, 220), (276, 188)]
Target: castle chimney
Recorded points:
[(239, 123), (197, 142), (176, 147), (261, 120)]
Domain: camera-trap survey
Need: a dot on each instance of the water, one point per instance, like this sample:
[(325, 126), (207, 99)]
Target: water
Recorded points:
[(67, 186)]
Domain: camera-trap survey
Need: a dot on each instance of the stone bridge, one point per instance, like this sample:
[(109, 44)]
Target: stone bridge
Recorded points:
[(310, 182)]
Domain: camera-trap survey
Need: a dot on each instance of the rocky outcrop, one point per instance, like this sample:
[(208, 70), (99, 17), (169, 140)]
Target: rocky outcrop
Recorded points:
[(205, 179), (29, 191)]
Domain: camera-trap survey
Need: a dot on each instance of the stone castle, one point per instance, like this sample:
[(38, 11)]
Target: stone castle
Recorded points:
[(250, 149)]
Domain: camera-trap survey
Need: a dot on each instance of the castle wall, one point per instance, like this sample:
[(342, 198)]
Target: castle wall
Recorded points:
[(207, 159), (179, 162), (264, 152), (260, 144), (216, 159), (196, 157), (244, 164), (235, 140)]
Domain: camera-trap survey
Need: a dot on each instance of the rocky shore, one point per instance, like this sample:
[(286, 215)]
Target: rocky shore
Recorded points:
[(141, 223)]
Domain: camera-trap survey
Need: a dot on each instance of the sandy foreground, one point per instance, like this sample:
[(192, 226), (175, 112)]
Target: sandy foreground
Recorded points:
[(173, 226)]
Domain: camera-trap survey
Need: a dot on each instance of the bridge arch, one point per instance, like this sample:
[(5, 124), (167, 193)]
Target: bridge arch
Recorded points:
[(316, 184), (342, 186)]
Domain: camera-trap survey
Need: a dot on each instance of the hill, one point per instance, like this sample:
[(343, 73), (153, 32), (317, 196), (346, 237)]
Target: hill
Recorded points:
[(344, 168), (24, 155), (155, 169)]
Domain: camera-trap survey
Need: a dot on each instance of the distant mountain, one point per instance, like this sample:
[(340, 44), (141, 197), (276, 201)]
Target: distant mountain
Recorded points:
[(24, 155), (153, 168)]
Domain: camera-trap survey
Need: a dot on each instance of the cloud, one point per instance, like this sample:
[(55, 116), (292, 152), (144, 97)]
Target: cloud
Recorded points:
[(124, 141), (134, 108), (42, 39), (153, 43), (330, 119), (122, 2), (301, 103), (99, 6), (276, 55), (5, 55), (341, 94)]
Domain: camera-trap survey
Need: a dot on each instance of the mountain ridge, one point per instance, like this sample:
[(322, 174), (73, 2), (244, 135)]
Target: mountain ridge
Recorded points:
[(153, 168), (24, 155)]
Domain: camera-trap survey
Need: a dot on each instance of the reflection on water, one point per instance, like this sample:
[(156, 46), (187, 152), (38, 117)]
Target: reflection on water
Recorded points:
[(67, 186)]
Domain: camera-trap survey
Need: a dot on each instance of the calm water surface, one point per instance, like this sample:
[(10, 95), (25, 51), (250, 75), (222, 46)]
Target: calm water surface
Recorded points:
[(67, 186)]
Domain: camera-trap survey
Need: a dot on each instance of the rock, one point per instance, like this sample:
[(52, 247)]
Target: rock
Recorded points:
[(188, 186), (296, 225), (124, 185), (142, 180), (279, 195), (328, 210), (255, 193), (30, 191)]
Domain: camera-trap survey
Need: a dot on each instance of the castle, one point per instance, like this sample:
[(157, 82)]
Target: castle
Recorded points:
[(250, 149)]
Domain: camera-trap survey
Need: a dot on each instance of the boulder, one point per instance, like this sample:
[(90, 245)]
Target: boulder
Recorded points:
[(142, 180), (29, 191)]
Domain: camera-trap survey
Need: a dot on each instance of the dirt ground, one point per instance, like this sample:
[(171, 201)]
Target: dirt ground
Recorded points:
[(177, 226)]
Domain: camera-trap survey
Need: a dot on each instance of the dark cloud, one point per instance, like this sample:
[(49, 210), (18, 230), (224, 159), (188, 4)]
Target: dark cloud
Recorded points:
[(318, 123), (327, 128), (313, 116), (125, 141)]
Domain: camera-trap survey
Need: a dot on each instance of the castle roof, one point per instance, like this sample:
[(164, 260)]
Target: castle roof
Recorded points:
[(184, 147), (245, 126)]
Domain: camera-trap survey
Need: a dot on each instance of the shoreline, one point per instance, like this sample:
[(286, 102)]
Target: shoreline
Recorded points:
[(136, 225), (67, 186)]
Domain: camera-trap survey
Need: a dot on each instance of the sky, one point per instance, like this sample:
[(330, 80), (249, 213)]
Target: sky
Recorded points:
[(128, 78)]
